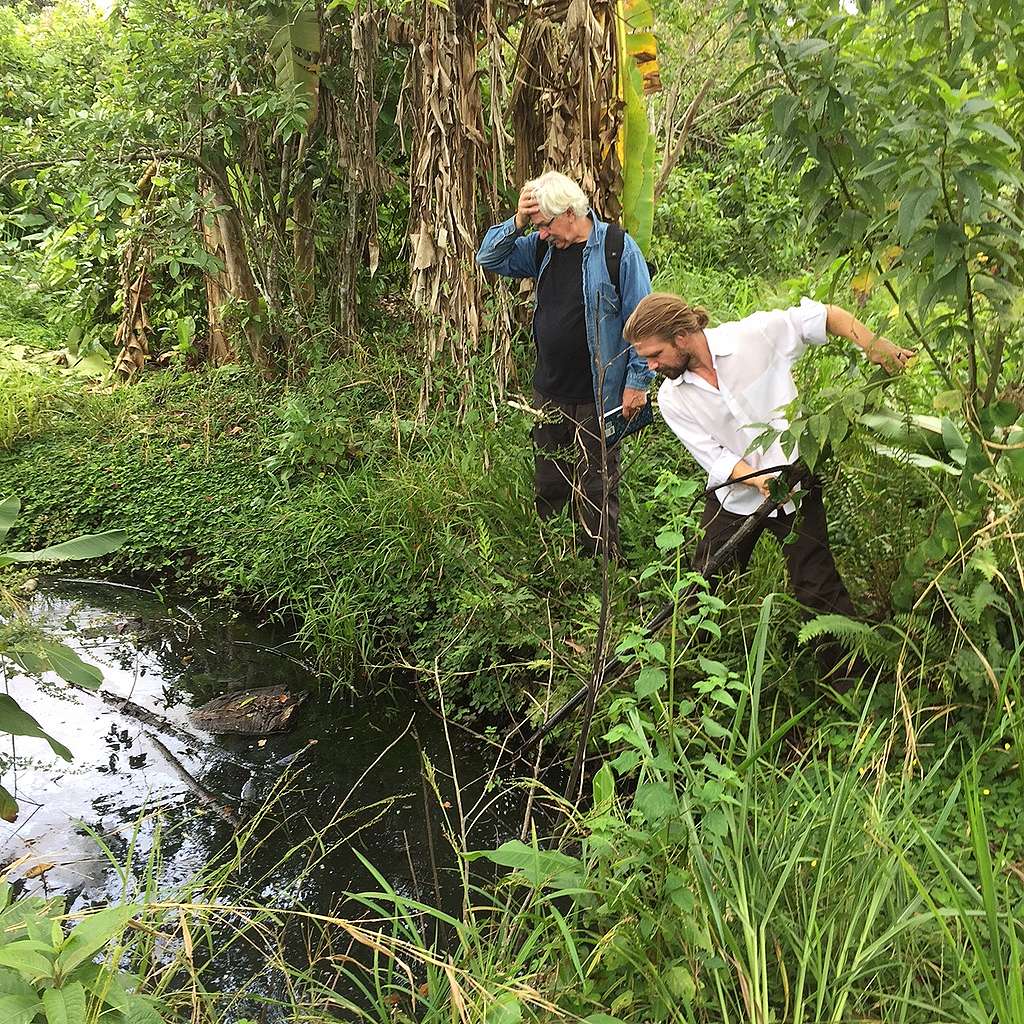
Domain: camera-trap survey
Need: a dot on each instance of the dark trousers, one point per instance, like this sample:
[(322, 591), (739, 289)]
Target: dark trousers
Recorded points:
[(567, 465), (813, 575)]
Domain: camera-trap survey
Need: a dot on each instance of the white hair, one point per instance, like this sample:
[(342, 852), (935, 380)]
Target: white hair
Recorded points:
[(555, 193)]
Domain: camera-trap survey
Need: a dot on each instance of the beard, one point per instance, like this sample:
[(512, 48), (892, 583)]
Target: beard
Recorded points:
[(675, 370)]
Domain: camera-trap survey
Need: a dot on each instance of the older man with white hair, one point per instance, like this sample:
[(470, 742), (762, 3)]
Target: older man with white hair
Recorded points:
[(590, 276)]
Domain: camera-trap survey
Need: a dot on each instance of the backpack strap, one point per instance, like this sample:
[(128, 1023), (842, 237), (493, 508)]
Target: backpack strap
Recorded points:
[(614, 243)]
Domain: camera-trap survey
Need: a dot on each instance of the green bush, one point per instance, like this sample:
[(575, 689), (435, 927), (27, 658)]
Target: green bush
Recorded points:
[(53, 975), (735, 213)]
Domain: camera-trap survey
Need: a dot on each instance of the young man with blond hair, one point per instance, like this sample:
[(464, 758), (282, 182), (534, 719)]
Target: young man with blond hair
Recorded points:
[(589, 278), (722, 384)]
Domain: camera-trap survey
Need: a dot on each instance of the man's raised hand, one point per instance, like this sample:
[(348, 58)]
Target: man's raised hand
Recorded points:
[(528, 206)]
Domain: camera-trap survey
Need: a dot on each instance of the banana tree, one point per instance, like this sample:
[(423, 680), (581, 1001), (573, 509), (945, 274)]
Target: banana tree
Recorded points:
[(35, 653), (638, 76)]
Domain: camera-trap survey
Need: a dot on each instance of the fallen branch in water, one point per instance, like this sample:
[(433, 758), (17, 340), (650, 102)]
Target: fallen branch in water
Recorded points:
[(210, 799)]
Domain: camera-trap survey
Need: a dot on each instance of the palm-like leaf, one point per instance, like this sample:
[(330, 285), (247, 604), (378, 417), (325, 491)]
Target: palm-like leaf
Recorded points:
[(91, 545), (9, 509)]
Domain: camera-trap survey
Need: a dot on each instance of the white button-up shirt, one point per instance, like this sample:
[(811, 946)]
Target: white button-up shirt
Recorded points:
[(754, 360)]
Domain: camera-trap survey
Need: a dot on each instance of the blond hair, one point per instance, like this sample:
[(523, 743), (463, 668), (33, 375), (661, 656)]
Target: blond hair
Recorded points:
[(663, 315)]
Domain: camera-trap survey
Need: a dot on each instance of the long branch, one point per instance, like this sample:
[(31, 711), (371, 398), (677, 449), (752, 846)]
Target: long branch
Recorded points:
[(671, 159)]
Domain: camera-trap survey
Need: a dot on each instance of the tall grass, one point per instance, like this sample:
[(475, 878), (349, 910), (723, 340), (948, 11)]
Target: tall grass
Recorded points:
[(807, 887)]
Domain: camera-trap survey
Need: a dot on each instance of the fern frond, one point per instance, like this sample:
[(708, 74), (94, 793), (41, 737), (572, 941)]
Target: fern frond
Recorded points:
[(856, 637), (839, 626)]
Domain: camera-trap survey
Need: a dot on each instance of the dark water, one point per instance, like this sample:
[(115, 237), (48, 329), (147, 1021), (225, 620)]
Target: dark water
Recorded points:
[(358, 789)]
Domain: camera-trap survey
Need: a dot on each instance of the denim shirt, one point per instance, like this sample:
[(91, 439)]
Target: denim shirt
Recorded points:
[(507, 251)]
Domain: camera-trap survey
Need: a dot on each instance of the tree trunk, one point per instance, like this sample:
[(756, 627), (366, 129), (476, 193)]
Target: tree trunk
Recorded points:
[(441, 98), (566, 109), (305, 248), (218, 346), (237, 280)]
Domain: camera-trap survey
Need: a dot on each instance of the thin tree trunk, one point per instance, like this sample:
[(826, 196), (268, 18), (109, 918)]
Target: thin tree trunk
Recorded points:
[(304, 247), (218, 346)]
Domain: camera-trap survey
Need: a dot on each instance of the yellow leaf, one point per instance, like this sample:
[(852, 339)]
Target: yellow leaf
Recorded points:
[(862, 285), (890, 255)]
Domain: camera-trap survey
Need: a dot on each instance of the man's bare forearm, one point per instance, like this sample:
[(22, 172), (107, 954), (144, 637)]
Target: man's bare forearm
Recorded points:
[(842, 323)]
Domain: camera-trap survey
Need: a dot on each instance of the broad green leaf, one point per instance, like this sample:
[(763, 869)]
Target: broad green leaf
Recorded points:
[(784, 106), (602, 1018), (712, 668), (637, 14), (506, 1009), (951, 436), (44, 654), (948, 401), (649, 681), (13, 984), (655, 800), (997, 133), (26, 956), (679, 981), (20, 723), (8, 806), (713, 729), (668, 539), (604, 786), (540, 867), (819, 427), (92, 934), (93, 364), (185, 329), (638, 161), (19, 1009), (65, 1005), (948, 250), (929, 463), (109, 987), (914, 208), (838, 426), (141, 1011), (640, 42), (89, 546), (807, 49), (294, 48), (1004, 414), (9, 509), (971, 191)]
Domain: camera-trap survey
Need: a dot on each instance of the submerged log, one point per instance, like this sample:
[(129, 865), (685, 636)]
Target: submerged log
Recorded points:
[(267, 709)]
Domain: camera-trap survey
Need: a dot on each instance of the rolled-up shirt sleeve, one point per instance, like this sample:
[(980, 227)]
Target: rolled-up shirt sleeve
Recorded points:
[(793, 329), (715, 458)]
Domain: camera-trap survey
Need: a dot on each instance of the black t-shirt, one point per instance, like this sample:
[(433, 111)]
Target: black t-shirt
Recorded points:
[(560, 328)]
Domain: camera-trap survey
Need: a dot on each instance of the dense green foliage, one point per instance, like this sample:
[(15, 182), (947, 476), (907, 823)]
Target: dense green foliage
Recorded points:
[(754, 848)]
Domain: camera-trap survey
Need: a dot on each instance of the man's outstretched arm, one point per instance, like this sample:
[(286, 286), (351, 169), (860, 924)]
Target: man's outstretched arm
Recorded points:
[(878, 350)]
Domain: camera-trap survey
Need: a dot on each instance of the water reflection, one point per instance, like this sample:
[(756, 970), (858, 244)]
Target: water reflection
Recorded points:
[(358, 787)]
